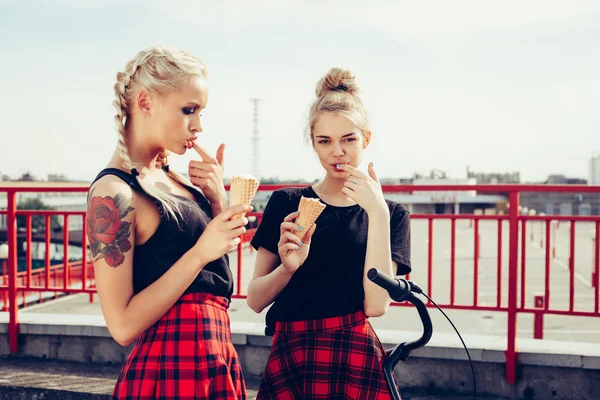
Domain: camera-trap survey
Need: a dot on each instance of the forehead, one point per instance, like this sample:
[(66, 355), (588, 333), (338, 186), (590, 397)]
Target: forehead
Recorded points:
[(333, 125), (193, 91)]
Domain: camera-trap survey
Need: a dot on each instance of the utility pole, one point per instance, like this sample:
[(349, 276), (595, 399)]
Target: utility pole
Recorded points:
[(255, 143)]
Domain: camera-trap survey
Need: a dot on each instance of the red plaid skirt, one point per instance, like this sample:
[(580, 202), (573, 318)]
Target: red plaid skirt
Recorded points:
[(187, 354), (330, 358)]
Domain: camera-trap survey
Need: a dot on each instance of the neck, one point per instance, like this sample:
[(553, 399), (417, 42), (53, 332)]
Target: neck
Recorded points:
[(331, 185), (140, 150), (330, 189)]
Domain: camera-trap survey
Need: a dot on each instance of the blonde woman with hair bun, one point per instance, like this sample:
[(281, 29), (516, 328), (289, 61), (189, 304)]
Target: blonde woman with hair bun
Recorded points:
[(323, 344), (160, 241)]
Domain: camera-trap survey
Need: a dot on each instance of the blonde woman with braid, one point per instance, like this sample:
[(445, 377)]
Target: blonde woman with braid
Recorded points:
[(160, 242)]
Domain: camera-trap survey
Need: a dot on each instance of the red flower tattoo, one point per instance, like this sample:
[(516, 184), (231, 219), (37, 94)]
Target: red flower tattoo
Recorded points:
[(107, 232)]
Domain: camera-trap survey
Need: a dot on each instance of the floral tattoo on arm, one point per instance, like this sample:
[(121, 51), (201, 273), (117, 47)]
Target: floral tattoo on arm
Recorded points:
[(107, 232)]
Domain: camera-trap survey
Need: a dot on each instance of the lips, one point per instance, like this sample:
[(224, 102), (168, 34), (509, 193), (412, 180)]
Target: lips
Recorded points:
[(190, 142), (336, 164)]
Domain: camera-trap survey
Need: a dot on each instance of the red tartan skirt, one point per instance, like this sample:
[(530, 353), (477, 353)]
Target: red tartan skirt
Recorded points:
[(330, 358), (187, 354)]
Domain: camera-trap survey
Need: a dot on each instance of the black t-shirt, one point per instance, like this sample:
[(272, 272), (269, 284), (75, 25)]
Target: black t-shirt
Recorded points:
[(330, 282)]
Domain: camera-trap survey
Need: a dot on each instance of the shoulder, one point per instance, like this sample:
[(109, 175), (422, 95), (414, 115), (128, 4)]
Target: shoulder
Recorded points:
[(284, 201), (110, 194), (396, 209), (112, 180), (288, 194), (110, 185)]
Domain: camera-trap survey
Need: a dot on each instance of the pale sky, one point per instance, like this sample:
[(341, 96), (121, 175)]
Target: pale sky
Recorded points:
[(501, 86)]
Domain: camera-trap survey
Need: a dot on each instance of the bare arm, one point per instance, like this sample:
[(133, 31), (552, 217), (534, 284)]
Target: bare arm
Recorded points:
[(379, 255), (111, 220), (268, 280)]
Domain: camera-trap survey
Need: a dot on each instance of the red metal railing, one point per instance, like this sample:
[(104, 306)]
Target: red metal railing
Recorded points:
[(77, 277), (38, 281)]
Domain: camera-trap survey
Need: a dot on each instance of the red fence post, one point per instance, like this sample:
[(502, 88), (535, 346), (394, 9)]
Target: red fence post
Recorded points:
[(476, 265), (66, 274), (4, 279), (239, 267), (538, 316), (513, 276), (594, 256), (13, 307), (596, 275), (554, 227)]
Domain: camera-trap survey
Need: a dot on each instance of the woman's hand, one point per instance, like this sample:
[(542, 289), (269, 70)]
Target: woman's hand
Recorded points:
[(207, 175), (222, 234), (290, 243), (365, 190)]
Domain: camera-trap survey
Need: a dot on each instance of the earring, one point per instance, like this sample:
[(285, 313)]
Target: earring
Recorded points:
[(161, 159)]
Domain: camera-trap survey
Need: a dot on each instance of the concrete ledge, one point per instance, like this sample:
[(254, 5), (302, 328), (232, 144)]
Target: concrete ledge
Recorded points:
[(442, 345), (546, 369), (33, 378)]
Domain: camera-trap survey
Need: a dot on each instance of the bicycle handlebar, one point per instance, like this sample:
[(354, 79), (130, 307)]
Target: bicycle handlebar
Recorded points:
[(401, 290)]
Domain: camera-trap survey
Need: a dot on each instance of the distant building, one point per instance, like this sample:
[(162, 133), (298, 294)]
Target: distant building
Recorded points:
[(563, 180), (446, 202), (557, 203), (594, 178), (58, 178), (443, 202), (495, 177)]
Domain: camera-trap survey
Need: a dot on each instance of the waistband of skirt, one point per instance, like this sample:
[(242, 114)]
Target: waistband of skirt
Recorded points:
[(322, 324), (205, 298)]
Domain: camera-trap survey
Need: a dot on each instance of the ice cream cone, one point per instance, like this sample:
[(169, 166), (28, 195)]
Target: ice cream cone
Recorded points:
[(242, 191), (309, 210)]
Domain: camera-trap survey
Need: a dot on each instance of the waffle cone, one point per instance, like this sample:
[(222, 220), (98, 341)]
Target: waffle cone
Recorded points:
[(309, 210), (242, 191)]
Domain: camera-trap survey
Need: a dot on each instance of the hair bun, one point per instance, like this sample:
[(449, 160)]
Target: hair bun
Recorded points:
[(337, 79)]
